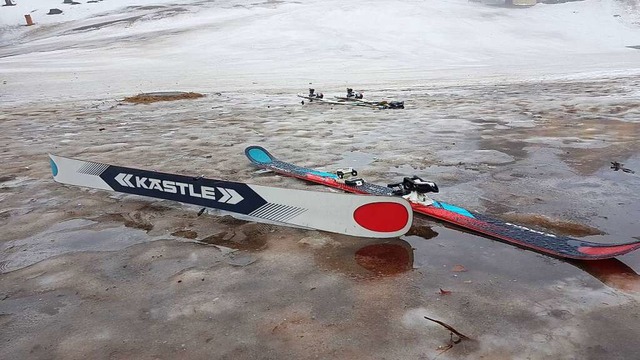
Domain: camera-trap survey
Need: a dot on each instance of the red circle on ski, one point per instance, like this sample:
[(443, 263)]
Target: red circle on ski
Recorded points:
[(382, 216)]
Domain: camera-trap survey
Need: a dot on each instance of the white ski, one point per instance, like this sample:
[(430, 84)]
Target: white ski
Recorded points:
[(355, 215)]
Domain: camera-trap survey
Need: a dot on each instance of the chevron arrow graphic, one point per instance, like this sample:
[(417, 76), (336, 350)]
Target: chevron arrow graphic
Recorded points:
[(124, 179), (235, 197), (225, 195), (229, 196)]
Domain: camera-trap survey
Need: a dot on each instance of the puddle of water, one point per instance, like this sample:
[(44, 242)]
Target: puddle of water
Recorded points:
[(483, 257), (68, 237), (355, 159), (68, 225)]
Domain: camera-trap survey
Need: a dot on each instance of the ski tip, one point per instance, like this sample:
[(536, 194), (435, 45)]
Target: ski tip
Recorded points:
[(385, 217), (258, 155), (605, 252), (54, 167)]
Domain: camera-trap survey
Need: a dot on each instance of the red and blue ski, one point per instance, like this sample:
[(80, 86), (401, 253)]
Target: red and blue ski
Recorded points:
[(414, 189)]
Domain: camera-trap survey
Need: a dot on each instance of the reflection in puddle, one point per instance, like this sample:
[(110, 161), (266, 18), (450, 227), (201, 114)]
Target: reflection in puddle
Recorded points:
[(612, 272), (385, 259), (391, 257), (360, 258), (355, 159), (465, 246), (75, 235)]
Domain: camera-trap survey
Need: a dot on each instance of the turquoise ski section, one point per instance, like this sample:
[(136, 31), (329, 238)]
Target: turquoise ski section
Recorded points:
[(453, 208), (54, 167), (260, 156), (323, 174)]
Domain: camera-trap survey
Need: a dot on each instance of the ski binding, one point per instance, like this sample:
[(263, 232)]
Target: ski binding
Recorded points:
[(354, 182), (413, 184), (346, 173), (419, 198)]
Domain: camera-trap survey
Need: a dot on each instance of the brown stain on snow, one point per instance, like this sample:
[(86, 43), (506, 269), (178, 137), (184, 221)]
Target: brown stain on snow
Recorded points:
[(248, 236), (148, 98), (422, 231), (185, 233), (133, 221)]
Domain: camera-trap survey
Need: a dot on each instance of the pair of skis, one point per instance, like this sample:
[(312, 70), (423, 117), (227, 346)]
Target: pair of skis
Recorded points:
[(322, 100), (377, 104), (388, 214), (352, 99)]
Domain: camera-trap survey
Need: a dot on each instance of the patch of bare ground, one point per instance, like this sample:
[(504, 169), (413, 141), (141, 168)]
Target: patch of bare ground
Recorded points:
[(249, 237), (423, 231), (5, 178), (134, 221), (148, 98), (142, 218), (187, 234)]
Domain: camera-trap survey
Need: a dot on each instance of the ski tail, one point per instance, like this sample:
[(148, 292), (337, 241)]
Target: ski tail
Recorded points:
[(259, 155), (80, 173), (362, 216), (604, 251)]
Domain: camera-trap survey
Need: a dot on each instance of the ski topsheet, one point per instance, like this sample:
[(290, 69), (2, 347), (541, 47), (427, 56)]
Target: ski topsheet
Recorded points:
[(355, 215), (555, 245)]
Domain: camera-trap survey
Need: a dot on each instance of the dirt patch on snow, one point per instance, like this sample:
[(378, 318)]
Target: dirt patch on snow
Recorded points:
[(147, 98)]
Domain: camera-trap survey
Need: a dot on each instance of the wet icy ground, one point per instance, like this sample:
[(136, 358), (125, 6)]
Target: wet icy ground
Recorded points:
[(93, 274), (522, 112)]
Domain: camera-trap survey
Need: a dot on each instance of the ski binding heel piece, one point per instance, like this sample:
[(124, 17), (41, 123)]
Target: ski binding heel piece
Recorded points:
[(346, 173), (397, 189), (418, 198), (416, 184), (314, 95), (354, 182)]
